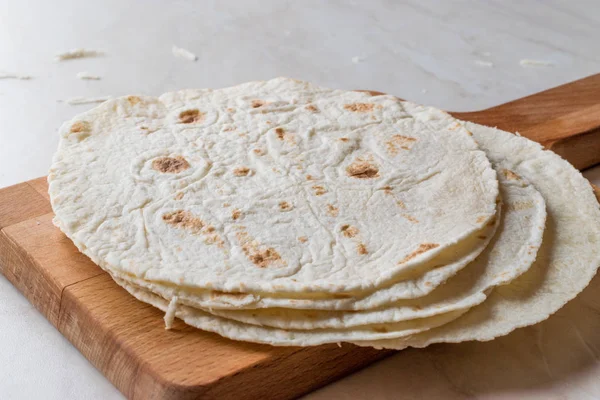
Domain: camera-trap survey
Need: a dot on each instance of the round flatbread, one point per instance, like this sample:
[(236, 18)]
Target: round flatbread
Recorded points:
[(271, 187)]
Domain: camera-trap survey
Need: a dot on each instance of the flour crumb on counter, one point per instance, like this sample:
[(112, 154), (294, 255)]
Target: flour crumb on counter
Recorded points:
[(535, 63), (184, 53), (88, 77), (6, 75), (482, 63), (77, 53), (75, 101), (357, 59)]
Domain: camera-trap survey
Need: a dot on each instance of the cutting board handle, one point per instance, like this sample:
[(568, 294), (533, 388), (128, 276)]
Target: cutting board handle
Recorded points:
[(565, 119)]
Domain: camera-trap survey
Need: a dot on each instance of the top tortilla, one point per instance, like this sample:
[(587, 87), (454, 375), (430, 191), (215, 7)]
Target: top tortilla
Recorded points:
[(275, 186)]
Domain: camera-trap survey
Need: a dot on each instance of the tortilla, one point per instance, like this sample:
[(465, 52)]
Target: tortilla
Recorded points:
[(566, 262), (272, 187)]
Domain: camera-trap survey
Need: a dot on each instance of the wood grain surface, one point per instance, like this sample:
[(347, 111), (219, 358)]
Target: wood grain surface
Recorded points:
[(126, 340)]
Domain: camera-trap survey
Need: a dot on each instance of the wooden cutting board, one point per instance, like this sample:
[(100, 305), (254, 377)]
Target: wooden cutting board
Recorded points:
[(126, 339)]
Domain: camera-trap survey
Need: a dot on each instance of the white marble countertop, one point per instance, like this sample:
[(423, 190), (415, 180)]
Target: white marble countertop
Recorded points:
[(458, 55)]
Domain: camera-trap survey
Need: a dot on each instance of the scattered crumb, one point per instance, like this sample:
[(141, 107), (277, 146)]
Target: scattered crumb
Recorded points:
[(77, 53), (75, 101), (535, 63), (482, 63), (184, 53), (87, 76), (423, 90), (6, 75), (357, 59)]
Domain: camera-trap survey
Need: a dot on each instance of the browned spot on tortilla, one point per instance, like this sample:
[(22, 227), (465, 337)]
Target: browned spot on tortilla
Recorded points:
[(362, 169), (319, 190), (211, 237), (80, 127), (225, 205), (241, 171), (361, 249), (455, 126), (387, 189), (303, 239), (423, 247), (258, 103), (230, 110), (144, 128), (229, 128), (411, 218), (284, 206), (280, 132), (481, 219), (332, 210), (133, 100), (492, 221), (482, 237), (309, 177), (312, 108), (510, 175), (178, 196), (359, 107), (183, 219), (344, 139), (380, 329), (260, 255), (259, 152), (400, 204), (268, 122), (349, 231), (398, 142), (191, 116), (170, 165), (235, 214), (428, 283)]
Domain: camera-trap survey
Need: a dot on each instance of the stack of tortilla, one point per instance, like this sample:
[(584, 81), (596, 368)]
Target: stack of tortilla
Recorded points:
[(285, 213)]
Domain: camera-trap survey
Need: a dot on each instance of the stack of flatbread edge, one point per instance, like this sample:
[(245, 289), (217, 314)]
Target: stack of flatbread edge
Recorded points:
[(285, 213)]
